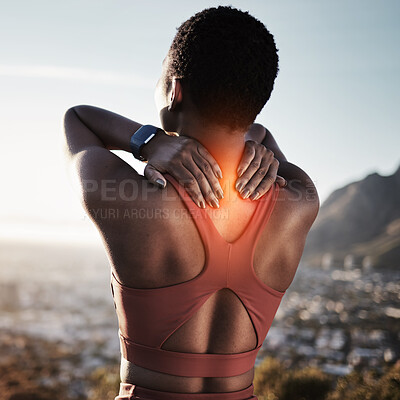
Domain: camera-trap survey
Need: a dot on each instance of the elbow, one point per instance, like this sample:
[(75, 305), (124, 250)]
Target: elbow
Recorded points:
[(66, 126), (68, 113), (71, 110), (74, 111), (69, 116), (67, 135)]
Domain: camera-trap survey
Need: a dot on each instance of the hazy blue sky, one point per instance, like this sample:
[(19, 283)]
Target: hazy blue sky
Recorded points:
[(334, 109)]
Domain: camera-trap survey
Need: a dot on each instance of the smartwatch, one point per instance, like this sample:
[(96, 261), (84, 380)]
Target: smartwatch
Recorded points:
[(142, 136)]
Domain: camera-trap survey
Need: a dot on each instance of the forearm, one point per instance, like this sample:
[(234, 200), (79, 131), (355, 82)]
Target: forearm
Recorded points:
[(112, 129)]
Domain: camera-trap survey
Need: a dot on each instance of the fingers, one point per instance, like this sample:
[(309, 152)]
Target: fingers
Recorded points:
[(183, 176), (210, 159), (256, 171), (266, 174), (247, 158), (282, 182), (206, 168), (202, 187), (267, 181), (190, 183), (200, 172), (154, 176), (189, 162)]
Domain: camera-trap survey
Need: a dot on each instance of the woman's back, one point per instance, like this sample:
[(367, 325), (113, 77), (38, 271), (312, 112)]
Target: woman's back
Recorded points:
[(163, 247)]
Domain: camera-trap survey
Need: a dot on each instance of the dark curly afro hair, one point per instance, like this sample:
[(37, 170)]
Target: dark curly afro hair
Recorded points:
[(227, 60)]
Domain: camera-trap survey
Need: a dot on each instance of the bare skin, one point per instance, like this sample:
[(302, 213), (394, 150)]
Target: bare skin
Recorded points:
[(156, 252)]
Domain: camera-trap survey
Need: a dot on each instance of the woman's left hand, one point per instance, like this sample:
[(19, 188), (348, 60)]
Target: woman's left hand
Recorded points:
[(257, 171), (189, 162)]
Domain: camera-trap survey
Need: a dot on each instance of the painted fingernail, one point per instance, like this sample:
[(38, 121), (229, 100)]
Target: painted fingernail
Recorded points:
[(254, 196), (240, 172), (202, 204), (160, 182), (220, 193), (239, 186), (215, 203), (246, 194), (219, 174)]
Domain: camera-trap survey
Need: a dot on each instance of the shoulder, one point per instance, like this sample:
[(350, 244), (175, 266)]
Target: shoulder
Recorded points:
[(298, 202)]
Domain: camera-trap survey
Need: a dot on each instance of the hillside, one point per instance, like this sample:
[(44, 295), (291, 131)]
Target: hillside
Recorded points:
[(361, 221)]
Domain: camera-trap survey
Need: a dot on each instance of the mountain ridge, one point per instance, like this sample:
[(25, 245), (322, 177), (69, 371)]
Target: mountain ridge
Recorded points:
[(361, 220)]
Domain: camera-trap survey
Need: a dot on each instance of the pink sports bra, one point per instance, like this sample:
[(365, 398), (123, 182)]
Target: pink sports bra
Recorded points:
[(148, 317)]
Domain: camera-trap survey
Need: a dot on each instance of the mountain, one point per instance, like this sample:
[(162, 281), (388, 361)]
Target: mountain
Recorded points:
[(358, 224)]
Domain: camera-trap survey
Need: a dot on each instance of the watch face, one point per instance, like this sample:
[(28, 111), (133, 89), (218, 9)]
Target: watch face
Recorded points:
[(150, 137)]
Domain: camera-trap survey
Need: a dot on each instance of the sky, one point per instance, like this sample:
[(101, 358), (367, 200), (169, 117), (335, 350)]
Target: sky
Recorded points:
[(333, 111)]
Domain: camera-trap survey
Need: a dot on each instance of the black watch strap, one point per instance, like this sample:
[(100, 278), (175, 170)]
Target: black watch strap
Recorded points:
[(142, 136)]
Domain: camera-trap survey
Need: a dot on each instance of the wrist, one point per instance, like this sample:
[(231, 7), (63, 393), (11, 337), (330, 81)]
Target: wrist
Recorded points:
[(149, 148)]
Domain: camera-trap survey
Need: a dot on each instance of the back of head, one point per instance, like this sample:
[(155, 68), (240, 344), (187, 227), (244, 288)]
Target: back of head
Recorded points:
[(227, 61)]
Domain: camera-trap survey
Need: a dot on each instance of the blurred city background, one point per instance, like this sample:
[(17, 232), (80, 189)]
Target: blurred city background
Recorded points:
[(333, 112)]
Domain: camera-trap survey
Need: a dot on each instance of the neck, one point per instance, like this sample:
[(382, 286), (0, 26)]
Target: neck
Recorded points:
[(226, 147)]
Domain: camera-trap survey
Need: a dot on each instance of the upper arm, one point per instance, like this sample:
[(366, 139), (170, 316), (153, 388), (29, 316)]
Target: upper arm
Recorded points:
[(301, 204), (300, 185), (95, 171), (292, 220), (301, 207)]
